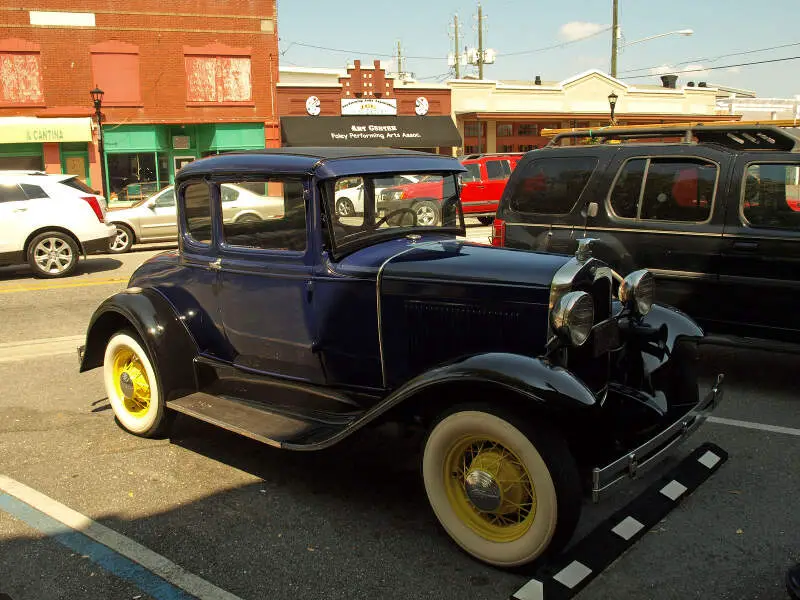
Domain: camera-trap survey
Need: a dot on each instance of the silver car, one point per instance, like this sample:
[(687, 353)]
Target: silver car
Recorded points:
[(155, 218)]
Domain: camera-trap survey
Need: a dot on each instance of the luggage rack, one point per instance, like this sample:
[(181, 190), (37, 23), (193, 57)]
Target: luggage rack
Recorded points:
[(781, 135)]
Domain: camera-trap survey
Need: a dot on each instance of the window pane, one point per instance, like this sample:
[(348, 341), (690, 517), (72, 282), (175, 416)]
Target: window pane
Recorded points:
[(267, 215), (473, 172), (11, 193), (678, 190), (197, 209), (495, 170), (33, 191), (625, 195), (77, 184), (528, 129), (165, 198), (552, 185), (771, 196), (505, 130)]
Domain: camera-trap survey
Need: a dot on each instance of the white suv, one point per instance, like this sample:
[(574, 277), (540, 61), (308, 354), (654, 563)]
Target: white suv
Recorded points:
[(49, 220)]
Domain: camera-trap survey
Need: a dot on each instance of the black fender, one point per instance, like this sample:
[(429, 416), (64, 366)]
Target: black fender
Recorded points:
[(153, 318), (534, 383)]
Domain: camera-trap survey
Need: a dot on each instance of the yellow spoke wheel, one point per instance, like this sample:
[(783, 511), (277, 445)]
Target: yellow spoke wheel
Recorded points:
[(132, 384), (490, 489)]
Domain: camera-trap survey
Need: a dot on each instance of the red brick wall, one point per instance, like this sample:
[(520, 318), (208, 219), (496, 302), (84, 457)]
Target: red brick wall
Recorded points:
[(160, 30)]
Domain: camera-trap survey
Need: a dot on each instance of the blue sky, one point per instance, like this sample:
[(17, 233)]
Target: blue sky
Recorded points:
[(721, 27)]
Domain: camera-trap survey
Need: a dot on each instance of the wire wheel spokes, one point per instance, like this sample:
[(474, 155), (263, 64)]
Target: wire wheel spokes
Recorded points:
[(53, 255)]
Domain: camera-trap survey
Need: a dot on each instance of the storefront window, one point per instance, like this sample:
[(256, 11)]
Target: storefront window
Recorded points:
[(21, 163), (133, 177)]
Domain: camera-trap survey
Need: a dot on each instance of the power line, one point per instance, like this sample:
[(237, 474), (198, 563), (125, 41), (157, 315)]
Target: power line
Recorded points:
[(380, 54), (747, 64), (554, 46), (714, 58)]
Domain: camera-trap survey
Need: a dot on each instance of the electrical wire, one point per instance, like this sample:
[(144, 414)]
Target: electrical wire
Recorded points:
[(554, 46), (714, 58), (747, 64)]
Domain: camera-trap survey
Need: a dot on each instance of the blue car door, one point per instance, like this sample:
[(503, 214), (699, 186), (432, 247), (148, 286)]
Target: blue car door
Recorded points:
[(266, 286)]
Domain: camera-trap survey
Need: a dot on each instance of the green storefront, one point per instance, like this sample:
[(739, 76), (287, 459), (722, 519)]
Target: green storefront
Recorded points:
[(142, 159)]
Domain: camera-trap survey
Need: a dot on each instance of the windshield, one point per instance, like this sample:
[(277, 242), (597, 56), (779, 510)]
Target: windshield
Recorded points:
[(376, 206)]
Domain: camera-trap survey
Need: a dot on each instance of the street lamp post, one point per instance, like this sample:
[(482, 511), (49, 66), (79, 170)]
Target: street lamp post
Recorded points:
[(686, 32), (97, 100), (612, 103)]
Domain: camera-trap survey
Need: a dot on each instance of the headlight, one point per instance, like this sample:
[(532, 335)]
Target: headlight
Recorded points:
[(638, 290), (398, 195), (573, 316)]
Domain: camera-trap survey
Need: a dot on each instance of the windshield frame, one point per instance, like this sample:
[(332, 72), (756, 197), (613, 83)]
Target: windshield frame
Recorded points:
[(340, 248)]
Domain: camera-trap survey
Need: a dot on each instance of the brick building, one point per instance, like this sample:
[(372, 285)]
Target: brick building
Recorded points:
[(363, 105), (179, 81)]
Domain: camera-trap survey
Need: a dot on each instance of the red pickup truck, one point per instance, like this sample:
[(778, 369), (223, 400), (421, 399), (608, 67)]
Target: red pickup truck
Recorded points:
[(483, 185)]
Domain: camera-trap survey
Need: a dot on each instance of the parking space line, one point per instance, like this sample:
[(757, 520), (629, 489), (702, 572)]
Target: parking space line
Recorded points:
[(752, 425), (152, 573)]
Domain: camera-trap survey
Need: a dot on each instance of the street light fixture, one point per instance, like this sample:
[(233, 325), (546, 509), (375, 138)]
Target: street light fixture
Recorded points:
[(685, 32), (97, 100), (612, 103)]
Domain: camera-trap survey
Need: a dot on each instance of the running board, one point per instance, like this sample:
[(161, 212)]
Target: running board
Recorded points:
[(266, 425)]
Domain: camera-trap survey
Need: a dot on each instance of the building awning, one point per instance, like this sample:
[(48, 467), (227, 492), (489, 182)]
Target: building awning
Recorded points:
[(26, 130), (392, 132)]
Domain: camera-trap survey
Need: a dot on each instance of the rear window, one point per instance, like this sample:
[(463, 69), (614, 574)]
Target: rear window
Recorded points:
[(77, 184), (551, 186)]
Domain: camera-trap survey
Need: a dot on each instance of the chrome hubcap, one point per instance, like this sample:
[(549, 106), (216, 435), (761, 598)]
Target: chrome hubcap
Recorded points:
[(53, 255), (126, 385), (121, 240), (425, 215), (483, 491), (344, 208)]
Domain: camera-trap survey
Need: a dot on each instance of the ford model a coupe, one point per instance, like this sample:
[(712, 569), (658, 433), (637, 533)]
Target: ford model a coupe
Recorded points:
[(537, 377)]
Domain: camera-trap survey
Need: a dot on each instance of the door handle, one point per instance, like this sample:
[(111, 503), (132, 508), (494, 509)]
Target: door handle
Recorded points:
[(745, 246), (19, 210), (215, 265)]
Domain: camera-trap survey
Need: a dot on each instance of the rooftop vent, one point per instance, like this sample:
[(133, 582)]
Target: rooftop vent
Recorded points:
[(690, 84), (702, 84), (668, 81), (537, 80)]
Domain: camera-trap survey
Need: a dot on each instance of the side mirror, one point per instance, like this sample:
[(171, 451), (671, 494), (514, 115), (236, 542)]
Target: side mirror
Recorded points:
[(151, 205)]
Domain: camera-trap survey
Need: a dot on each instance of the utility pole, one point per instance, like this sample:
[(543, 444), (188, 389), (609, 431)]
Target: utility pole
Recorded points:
[(614, 38), (400, 70), (455, 48), (480, 40)]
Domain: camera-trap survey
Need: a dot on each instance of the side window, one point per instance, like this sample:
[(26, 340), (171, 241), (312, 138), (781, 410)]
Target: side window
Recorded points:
[(665, 189), (473, 172), (197, 211), (495, 170), (267, 215), (771, 195), (551, 186), (166, 198), (33, 191), (11, 193)]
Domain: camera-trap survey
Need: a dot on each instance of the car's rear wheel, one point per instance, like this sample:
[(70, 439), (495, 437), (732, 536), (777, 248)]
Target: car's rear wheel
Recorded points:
[(132, 386), (505, 490), (485, 220), (53, 254), (123, 241), (344, 207), (427, 213)]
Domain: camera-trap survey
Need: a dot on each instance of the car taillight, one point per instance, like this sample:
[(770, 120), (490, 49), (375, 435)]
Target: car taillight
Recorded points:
[(499, 233), (95, 207)]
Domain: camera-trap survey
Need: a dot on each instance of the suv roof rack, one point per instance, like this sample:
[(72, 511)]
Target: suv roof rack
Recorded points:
[(738, 135), (482, 154)]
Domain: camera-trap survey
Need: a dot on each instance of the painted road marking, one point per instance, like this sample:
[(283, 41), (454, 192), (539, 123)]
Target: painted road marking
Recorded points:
[(14, 351), (751, 425), (53, 518), (673, 490), (15, 289), (562, 577)]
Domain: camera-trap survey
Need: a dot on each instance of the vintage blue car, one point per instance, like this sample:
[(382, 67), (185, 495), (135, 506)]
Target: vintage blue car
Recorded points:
[(538, 378)]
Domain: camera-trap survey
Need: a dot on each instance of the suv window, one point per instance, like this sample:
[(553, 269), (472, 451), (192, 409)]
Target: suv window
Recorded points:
[(197, 212), (552, 186), (665, 189), (268, 215), (498, 169), (473, 172), (11, 193), (33, 191), (77, 184), (771, 195)]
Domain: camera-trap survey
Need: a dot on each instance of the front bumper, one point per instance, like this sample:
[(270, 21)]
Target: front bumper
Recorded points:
[(647, 455)]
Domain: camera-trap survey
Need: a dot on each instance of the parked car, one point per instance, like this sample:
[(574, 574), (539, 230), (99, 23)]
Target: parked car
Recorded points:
[(713, 219), (533, 378), (350, 199), (48, 221), (482, 185), (155, 219)]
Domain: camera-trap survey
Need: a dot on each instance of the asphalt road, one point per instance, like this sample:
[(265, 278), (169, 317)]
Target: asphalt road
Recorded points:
[(352, 522)]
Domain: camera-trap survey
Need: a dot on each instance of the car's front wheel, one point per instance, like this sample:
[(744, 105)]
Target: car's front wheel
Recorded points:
[(123, 241), (505, 490), (132, 386), (53, 254)]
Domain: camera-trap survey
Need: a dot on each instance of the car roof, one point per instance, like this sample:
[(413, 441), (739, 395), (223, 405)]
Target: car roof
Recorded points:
[(34, 176), (321, 161)]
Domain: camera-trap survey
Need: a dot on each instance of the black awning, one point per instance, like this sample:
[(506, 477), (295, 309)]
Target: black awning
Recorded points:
[(391, 132)]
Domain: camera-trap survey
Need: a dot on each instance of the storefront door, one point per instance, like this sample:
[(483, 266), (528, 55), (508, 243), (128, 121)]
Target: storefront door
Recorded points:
[(76, 163)]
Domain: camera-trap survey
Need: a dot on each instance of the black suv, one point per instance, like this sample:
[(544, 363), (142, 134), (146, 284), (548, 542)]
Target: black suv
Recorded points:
[(712, 210)]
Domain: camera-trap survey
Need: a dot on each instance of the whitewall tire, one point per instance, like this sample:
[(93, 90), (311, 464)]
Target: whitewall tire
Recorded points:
[(506, 492)]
